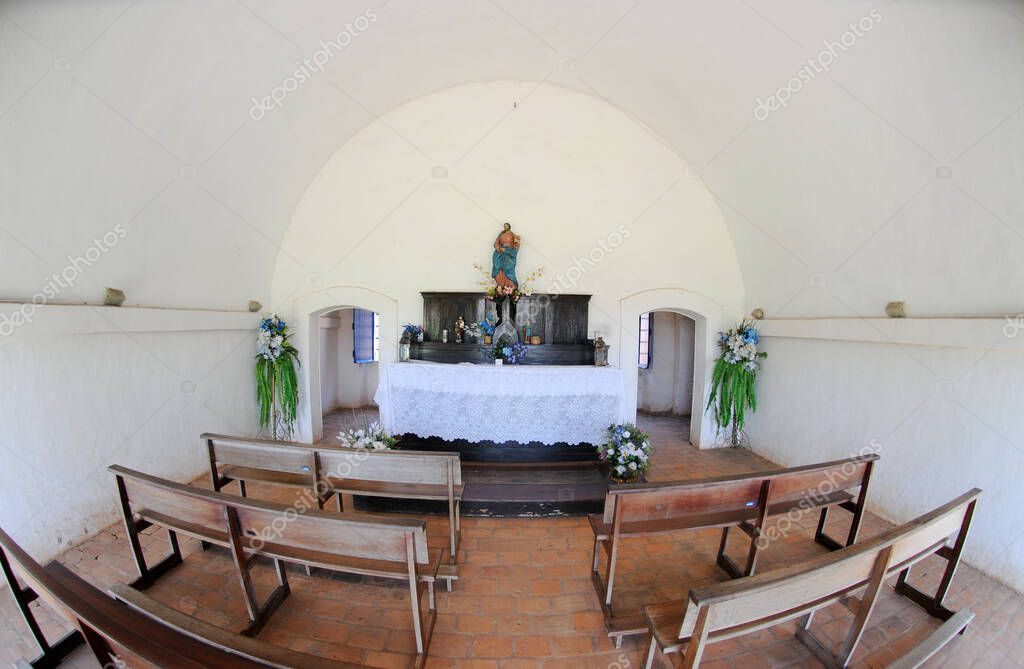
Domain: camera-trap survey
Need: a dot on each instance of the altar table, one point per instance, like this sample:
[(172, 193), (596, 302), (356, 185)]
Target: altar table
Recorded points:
[(535, 403)]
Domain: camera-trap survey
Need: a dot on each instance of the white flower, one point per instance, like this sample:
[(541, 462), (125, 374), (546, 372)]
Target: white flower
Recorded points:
[(625, 435), (620, 469), (632, 466), (611, 451)]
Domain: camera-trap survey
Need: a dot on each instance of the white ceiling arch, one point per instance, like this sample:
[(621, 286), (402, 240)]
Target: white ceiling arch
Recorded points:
[(877, 174)]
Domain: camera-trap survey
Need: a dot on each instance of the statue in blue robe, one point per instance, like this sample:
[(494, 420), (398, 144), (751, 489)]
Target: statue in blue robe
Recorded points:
[(503, 270)]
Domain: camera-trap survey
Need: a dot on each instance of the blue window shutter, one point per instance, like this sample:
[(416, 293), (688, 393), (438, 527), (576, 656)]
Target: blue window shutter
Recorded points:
[(363, 335)]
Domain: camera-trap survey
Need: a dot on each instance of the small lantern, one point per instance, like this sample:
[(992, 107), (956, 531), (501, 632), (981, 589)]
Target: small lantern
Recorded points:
[(403, 348), (600, 352)]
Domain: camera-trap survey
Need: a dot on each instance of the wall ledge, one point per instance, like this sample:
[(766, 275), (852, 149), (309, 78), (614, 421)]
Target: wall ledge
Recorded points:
[(965, 333), (29, 320)]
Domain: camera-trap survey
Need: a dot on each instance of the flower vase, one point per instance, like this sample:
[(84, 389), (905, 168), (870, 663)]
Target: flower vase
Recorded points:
[(636, 477)]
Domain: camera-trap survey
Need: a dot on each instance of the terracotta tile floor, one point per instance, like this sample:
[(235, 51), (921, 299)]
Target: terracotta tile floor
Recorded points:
[(525, 598)]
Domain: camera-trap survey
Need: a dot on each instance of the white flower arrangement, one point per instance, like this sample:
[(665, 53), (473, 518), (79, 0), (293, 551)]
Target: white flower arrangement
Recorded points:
[(374, 437), (627, 452)]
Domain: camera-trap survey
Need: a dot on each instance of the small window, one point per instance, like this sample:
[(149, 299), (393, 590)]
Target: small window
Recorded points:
[(365, 336), (644, 357)]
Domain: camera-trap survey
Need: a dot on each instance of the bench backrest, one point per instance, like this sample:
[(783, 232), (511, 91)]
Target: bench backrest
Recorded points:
[(261, 454), (755, 602), (335, 462), (267, 527), (814, 482), (734, 496), (655, 501), (391, 466), (138, 640)]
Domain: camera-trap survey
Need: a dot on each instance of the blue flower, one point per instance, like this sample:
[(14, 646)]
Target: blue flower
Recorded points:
[(751, 336), (507, 351)]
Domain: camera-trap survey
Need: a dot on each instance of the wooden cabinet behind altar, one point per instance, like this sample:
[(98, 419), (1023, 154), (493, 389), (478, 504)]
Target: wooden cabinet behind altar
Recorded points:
[(558, 319)]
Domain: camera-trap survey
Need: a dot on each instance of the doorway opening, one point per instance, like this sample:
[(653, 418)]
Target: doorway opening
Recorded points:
[(665, 371), (349, 341)]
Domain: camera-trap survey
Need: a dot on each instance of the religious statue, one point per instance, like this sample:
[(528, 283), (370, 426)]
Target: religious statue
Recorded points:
[(460, 330), (503, 269)]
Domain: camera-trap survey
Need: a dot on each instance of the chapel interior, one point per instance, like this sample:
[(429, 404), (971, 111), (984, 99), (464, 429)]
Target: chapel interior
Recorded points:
[(505, 334)]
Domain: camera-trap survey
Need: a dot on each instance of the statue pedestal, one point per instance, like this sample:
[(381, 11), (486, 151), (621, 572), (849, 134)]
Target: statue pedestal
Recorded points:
[(507, 328)]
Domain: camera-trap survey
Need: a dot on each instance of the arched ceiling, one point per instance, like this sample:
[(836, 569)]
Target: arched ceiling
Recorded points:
[(893, 175)]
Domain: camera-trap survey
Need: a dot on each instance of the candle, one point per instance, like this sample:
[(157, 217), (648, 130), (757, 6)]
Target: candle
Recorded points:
[(444, 336)]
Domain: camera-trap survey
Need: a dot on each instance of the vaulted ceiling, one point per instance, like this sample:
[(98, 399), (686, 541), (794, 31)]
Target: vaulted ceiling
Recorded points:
[(895, 174)]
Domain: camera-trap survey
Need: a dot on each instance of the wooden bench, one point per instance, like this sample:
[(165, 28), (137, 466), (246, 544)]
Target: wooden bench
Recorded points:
[(744, 501), (143, 634), (746, 605), (363, 544), (326, 471)]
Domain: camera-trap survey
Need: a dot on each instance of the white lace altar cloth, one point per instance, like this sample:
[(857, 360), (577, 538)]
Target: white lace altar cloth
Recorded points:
[(549, 404)]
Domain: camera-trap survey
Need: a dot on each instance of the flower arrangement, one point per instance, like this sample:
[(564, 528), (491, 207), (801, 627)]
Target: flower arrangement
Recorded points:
[(277, 385), (505, 350), (486, 327), (732, 382), (474, 330), (494, 291), (627, 452), (413, 332), (374, 437)]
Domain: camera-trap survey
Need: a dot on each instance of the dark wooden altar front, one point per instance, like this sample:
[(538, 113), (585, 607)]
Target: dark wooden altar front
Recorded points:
[(560, 321)]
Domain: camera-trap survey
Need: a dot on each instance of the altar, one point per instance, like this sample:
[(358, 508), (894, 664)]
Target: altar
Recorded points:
[(539, 404)]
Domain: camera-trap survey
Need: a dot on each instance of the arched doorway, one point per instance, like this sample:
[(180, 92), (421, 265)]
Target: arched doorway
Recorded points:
[(707, 317), (349, 362), (665, 369), (308, 311)]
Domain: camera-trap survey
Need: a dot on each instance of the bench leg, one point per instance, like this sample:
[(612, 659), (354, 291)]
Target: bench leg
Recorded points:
[(867, 605), (652, 650), (609, 577), (258, 614), (820, 651), (52, 654), (723, 560), (101, 650), (452, 530), (417, 622), (149, 575), (933, 604), (851, 537), (819, 533)]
